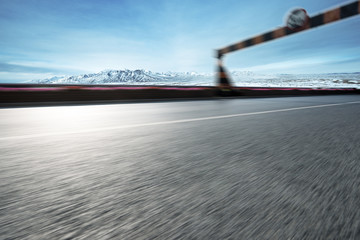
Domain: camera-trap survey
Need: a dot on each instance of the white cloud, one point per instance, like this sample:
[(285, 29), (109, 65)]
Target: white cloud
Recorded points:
[(301, 65)]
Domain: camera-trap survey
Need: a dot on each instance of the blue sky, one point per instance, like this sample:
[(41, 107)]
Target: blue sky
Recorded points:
[(44, 38)]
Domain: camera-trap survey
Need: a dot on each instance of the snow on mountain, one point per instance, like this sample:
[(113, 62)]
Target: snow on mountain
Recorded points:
[(239, 78), (131, 77)]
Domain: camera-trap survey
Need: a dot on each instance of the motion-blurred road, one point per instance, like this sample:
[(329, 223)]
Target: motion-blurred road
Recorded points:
[(266, 168)]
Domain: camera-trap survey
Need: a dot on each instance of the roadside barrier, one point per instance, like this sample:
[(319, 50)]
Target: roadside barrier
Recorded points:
[(297, 21)]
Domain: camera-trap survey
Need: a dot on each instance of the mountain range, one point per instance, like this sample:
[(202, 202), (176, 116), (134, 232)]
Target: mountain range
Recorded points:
[(239, 78), (126, 76)]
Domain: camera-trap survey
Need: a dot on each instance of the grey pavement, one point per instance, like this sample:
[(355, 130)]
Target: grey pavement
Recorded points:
[(265, 168)]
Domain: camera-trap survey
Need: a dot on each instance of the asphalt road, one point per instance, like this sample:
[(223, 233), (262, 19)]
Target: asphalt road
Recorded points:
[(266, 168)]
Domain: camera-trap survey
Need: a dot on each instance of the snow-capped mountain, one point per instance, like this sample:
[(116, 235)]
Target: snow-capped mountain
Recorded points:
[(131, 77), (239, 78)]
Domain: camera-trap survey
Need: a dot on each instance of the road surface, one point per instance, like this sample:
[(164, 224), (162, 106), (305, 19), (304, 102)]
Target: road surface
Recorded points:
[(266, 168)]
